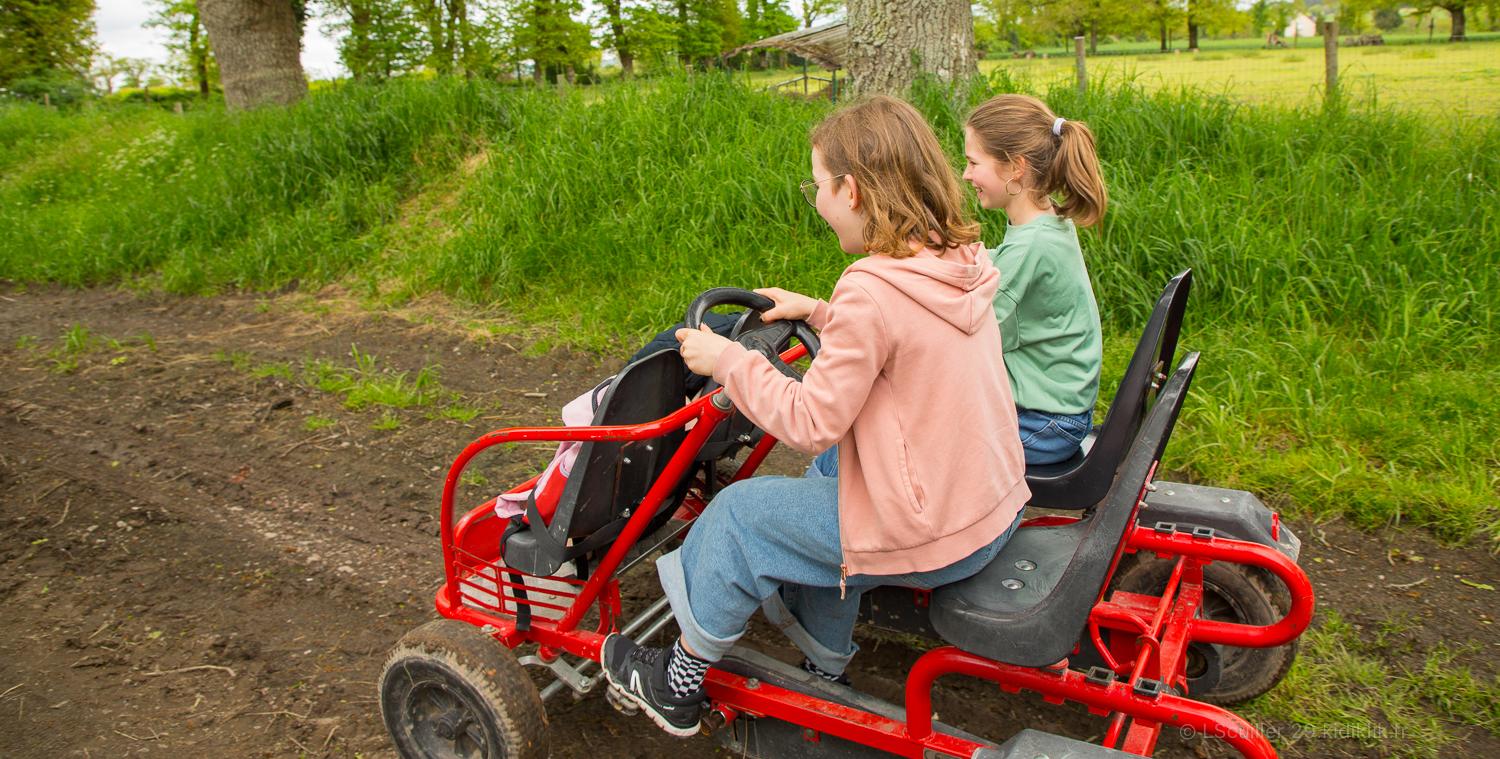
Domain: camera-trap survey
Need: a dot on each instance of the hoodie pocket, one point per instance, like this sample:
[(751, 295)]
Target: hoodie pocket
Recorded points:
[(914, 492)]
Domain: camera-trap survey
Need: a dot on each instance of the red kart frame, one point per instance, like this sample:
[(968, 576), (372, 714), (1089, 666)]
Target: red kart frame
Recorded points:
[(1150, 640)]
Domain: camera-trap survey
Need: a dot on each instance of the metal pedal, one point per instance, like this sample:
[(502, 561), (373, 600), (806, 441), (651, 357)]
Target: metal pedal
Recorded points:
[(621, 704)]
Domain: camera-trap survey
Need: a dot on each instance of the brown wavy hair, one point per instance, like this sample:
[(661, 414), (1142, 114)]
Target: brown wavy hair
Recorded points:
[(906, 186), (1020, 126)]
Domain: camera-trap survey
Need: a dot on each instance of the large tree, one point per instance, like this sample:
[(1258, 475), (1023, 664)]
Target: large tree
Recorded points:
[(1211, 14), (615, 35), (258, 44), (891, 43), (1456, 9), (380, 38), (814, 11), (45, 37), (556, 41), (187, 42)]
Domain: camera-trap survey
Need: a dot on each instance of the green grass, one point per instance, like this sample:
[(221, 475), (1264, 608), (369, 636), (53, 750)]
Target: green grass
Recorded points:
[(316, 422), (1445, 80), (1342, 687), (458, 413), (363, 385), (1347, 262), (1452, 81)]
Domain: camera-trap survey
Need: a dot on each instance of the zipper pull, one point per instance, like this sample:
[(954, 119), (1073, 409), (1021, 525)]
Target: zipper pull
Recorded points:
[(843, 575)]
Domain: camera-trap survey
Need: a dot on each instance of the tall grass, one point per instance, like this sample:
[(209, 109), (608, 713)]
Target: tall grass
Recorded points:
[(205, 198), (1347, 263)]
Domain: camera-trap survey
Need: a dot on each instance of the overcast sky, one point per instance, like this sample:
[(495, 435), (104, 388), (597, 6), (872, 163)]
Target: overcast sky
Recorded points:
[(122, 32)]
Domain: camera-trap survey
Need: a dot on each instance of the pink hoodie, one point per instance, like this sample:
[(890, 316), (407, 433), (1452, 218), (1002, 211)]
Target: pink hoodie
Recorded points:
[(911, 385)]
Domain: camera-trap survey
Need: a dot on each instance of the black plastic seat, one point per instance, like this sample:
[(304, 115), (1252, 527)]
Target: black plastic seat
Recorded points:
[(609, 478), (1030, 605), (1081, 481)]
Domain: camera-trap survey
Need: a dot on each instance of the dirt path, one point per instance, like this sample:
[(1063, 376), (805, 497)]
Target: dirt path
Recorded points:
[(200, 555)]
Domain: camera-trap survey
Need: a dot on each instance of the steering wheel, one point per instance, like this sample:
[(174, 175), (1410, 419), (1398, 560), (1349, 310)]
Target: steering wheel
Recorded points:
[(767, 339)]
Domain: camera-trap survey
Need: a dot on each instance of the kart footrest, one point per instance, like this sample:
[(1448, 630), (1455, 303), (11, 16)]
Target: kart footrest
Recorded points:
[(1029, 744), (747, 662)]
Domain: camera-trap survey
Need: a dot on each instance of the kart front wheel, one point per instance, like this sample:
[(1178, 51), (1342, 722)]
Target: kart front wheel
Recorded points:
[(1225, 675), (449, 691)]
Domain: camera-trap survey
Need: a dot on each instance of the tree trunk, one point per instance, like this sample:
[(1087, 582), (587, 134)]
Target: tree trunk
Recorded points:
[(1192, 35), (682, 29), (258, 44), (1093, 37), (890, 44), (617, 31), (1457, 34), (1164, 34), (199, 53)]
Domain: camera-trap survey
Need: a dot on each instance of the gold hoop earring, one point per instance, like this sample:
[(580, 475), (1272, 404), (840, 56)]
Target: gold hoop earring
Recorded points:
[(1011, 192)]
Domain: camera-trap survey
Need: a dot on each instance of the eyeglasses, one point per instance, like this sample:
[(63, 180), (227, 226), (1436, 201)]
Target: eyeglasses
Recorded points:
[(809, 188)]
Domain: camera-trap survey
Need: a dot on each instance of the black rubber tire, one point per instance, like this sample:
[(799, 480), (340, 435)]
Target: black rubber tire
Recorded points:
[(1231, 593), (448, 691)]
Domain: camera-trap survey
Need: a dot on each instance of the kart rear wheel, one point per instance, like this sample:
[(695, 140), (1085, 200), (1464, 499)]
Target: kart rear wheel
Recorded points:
[(448, 691), (1231, 593)]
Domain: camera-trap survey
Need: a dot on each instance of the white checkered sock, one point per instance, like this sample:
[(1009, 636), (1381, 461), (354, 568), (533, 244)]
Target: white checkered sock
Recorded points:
[(808, 665), (685, 672)]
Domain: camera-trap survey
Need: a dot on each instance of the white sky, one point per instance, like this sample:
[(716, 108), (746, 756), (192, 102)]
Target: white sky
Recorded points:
[(122, 32)]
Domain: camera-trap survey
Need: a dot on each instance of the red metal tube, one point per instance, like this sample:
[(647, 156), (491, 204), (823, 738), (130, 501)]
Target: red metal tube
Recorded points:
[(1238, 552), (709, 417), (1072, 686)]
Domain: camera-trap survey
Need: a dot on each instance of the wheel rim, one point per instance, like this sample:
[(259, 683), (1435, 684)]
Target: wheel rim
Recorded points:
[(445, 725), (1220, 607)]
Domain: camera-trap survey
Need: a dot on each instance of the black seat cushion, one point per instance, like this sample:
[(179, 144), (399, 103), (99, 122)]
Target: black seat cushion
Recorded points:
[(1002, 612)]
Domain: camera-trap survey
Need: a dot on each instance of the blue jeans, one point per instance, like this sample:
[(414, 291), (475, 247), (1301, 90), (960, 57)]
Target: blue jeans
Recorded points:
[(772, 543), (1049, 438)]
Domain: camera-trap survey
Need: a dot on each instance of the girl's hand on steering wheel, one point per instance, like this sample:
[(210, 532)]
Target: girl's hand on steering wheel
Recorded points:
[(789, 305), (701, 349)]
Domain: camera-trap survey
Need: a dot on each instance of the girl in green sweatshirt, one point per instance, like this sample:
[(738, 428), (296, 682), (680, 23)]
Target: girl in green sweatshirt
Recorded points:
[(1043, 172)]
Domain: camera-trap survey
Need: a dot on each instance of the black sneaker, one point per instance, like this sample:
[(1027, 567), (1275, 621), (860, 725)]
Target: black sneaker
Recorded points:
[(840, 679), (639, 674)]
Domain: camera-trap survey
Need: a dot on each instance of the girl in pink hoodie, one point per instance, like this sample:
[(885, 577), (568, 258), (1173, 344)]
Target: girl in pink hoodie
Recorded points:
[(910, 385)]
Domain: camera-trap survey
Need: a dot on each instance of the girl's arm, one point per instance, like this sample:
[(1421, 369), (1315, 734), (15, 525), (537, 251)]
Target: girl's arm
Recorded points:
[(814, 414), (1017, 273)]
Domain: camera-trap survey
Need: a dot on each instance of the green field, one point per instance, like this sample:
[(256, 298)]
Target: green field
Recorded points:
[(1461, 80), (1347, 263), (1443, 80)]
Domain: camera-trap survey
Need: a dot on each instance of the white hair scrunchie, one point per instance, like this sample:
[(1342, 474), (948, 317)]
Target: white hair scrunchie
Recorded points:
[(1057, 126)]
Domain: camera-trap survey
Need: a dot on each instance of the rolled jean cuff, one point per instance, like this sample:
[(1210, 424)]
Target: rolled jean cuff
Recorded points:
[(704, 644), (826, 659)]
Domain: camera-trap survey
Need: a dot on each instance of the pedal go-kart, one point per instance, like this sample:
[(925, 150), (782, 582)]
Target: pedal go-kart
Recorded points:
[(1153, 604)]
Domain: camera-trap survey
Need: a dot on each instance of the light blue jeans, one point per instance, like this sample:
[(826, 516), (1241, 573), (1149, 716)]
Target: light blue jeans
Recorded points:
[(772, 543)]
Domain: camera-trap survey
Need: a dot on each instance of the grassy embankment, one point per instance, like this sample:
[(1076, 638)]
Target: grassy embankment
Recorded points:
[(1346, 264)]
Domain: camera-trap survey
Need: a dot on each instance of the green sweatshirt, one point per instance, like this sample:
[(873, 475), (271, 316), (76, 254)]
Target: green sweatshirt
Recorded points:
[(1049, 321)]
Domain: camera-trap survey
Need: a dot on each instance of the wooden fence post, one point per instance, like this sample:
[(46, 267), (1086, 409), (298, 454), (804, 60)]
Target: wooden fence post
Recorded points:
[(1083, 74), (1330, 61)]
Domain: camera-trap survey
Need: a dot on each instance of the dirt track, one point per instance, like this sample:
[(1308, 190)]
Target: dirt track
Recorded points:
[(188, 570)]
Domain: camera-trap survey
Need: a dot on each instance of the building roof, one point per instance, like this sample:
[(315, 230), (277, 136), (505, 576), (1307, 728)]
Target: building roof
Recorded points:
[(826, 44)]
